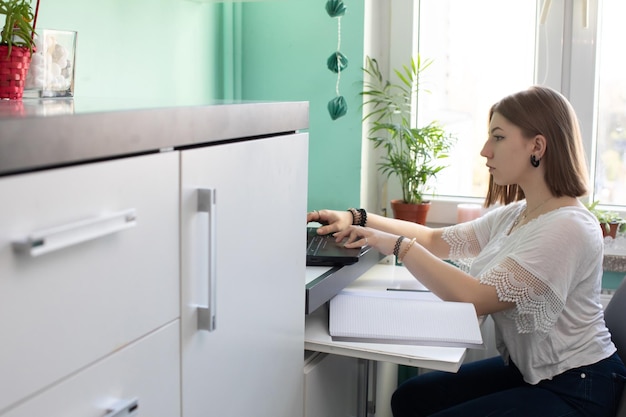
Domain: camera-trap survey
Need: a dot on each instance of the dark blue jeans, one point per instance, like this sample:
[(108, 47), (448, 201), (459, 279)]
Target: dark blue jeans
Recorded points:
[(491, 388)]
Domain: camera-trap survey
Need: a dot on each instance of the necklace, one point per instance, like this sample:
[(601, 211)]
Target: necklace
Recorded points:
[(525, 213)]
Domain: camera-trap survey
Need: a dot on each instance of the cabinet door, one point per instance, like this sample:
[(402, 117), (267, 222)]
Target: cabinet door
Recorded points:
[(251, 363), (65, 309)]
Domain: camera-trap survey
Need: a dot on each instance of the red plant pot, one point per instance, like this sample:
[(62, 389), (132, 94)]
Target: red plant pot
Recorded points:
[(415, 213), (13, 70)]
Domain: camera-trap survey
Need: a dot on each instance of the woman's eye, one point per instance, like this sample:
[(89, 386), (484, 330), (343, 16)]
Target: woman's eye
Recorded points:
[(498, 138)]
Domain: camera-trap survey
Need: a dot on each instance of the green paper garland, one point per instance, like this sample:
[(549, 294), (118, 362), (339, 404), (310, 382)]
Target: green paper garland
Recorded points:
[(337, 62), (337, 107), (335, 8)]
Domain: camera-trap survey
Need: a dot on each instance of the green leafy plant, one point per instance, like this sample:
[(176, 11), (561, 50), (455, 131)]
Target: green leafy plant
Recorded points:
[(606, 217), (413, 154), (19, 24)]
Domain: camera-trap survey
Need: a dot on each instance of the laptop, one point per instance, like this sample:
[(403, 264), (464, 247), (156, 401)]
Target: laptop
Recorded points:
[(322, 250)]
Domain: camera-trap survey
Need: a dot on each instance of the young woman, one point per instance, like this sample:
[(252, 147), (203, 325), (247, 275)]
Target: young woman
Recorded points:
[(534, 264)]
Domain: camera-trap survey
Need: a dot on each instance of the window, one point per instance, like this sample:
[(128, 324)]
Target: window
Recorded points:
[(610, 178), (480, 54), (485, 49)]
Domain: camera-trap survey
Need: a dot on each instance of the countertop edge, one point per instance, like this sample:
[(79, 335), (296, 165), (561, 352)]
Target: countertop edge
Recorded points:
[(34, 143)]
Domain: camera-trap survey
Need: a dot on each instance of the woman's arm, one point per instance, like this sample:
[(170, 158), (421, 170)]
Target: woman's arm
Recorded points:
[(445, 280), (450, 283), (334, 221)]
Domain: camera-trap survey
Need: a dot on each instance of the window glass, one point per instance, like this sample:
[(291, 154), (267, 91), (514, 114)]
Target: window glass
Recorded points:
[(610, 178), (482, 50)]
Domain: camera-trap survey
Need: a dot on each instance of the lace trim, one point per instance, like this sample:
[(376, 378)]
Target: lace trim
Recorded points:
[(537, 306), (462, 241)]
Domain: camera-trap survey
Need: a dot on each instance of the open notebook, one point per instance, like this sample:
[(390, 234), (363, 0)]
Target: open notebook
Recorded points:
[(322, 250)]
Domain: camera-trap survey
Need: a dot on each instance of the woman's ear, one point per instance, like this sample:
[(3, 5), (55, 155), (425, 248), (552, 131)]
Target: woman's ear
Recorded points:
[(539, 146)]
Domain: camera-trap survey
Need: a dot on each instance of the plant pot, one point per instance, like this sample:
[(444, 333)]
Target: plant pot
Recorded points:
[(415, 213), (609, 229), (13, 71)]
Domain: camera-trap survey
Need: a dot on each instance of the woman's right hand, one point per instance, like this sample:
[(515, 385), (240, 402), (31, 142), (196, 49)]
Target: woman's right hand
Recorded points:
[(331, 220)]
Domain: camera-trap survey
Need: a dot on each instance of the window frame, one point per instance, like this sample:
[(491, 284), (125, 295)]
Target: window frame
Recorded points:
[(567, 33)]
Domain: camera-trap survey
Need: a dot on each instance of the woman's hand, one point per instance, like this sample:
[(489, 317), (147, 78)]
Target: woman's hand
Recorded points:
[(357, 236), (332, 221)]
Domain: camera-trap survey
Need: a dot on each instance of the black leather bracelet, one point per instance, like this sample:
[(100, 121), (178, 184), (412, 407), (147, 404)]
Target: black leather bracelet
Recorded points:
[(363, 219), (396, 249)]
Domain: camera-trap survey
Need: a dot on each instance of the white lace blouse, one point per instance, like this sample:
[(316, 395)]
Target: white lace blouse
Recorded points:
[(551, 268)]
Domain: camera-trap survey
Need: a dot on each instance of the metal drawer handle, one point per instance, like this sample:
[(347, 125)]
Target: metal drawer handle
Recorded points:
[(207, 314), (59, 237), (125, 408)]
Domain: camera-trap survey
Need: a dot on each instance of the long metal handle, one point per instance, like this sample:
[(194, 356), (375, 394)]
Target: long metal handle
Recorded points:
[(207, 315), (55, 238)]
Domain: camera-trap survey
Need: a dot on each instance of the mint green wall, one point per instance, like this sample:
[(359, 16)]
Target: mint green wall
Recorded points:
[(147, 48), (285, 46), (263, 50)]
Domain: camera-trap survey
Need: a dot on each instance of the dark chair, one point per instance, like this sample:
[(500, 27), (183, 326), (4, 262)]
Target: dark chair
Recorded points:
[(615, 317)]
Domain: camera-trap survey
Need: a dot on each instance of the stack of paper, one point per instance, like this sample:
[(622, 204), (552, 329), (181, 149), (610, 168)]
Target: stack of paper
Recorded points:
[(397, 317)]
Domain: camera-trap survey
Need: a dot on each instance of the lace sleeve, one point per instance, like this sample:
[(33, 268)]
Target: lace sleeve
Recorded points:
[(462, 241), (537, 305), (464, 245)]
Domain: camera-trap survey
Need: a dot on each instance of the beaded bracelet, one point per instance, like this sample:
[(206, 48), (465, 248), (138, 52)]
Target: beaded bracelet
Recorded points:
[(406, 250), (363, 218), (355, 216), (396, 248), (359, 217)]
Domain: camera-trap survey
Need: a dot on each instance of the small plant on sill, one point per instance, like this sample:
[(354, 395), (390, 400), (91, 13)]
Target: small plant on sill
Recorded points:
[(606, 218)]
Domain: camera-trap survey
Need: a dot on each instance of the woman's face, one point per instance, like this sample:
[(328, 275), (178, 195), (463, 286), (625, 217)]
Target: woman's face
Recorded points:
[(507, 152)]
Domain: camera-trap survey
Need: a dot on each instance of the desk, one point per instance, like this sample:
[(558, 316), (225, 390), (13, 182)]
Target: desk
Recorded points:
[(377, 278)]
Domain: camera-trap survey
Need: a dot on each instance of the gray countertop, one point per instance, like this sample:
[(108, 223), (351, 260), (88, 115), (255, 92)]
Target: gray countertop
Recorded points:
[(38, 134), (614, 263)]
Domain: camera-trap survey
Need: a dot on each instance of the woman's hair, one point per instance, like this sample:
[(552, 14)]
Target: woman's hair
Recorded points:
[(543, 111)]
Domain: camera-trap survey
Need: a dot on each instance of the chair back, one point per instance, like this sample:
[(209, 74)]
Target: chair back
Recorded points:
[(615, 318)]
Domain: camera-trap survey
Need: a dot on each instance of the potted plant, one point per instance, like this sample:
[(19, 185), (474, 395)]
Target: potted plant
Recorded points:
[(413, 153), (16, 45), (610, 221)]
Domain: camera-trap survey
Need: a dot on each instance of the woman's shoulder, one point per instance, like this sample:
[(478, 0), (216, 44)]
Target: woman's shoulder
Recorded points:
[(572, 215), (571, 225)]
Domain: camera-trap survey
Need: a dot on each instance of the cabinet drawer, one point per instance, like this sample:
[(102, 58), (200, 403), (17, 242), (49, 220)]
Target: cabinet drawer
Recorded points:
[(65, 309), (147, 370)]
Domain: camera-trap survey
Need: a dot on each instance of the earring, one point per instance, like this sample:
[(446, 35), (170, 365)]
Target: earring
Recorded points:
[(534, 161)]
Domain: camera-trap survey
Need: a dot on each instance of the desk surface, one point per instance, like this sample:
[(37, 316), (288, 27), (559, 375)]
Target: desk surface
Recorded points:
[(379, 278)]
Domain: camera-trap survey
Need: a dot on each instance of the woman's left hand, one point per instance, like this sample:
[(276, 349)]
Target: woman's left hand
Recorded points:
[(357, 236)]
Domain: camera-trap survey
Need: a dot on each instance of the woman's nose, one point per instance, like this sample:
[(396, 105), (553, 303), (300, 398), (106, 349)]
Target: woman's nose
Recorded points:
[(486, 150)]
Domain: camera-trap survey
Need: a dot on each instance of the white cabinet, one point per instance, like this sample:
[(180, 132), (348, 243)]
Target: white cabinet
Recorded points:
[(144, 374), (250, 364), (66, 310), (104, 265), (331, 386)]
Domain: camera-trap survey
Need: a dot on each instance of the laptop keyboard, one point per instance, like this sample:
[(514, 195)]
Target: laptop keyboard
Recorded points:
[(315, 242)]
